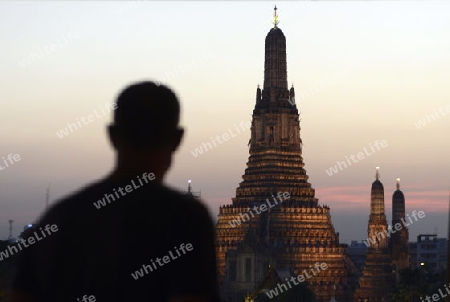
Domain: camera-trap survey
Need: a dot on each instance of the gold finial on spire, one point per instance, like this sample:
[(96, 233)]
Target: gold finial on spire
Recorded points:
[(275, 17), (398, 183), (377, 174)]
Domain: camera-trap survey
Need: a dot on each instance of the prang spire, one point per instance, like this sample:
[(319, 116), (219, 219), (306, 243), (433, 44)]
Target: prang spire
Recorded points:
[(398, 208), (275, 166), (275, 17), (275, 66), (376, 279), (398, 205), (399, 239), (377, 196)]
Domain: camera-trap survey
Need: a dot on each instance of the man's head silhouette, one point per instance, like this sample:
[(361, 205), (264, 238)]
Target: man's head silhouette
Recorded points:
[(145, 131)]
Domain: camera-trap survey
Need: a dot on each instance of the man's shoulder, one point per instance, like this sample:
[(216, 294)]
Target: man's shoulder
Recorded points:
[(109, 194), (174, 197), (169, 202), (77, 199)]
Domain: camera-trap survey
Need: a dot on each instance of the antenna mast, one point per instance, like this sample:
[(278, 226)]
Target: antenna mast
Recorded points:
[(10, 228)]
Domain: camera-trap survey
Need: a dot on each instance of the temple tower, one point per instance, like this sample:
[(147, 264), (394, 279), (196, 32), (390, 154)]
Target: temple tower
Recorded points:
[(297, 231), (377, 279), (399, 238)]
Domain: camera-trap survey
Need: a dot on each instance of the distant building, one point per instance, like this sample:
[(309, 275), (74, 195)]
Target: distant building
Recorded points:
[(412, 254), (27, 230), (192, 193), (432, 252)]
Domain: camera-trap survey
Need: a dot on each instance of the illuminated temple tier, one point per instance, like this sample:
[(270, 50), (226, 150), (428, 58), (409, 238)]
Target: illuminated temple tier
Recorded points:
[(297, 232)]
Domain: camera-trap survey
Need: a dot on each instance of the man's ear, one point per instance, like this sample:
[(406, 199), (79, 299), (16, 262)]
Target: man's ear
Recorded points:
[(178, 137), (112, 134)]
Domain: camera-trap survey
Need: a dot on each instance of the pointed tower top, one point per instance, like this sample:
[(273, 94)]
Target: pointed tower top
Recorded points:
[(377, 174), (398, 183), (275, 17)]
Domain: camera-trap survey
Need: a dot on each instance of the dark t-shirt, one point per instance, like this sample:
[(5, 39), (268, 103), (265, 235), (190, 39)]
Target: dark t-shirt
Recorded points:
[(111, 251)]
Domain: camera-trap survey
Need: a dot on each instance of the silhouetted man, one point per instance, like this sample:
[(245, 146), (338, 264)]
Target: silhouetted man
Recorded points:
[(127, 237)]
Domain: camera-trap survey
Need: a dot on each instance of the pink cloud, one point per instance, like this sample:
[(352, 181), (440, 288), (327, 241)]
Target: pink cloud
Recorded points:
[(358, 197)]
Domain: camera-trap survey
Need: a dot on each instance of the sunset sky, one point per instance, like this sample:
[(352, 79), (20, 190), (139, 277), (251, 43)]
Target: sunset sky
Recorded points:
[(367, 70)]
